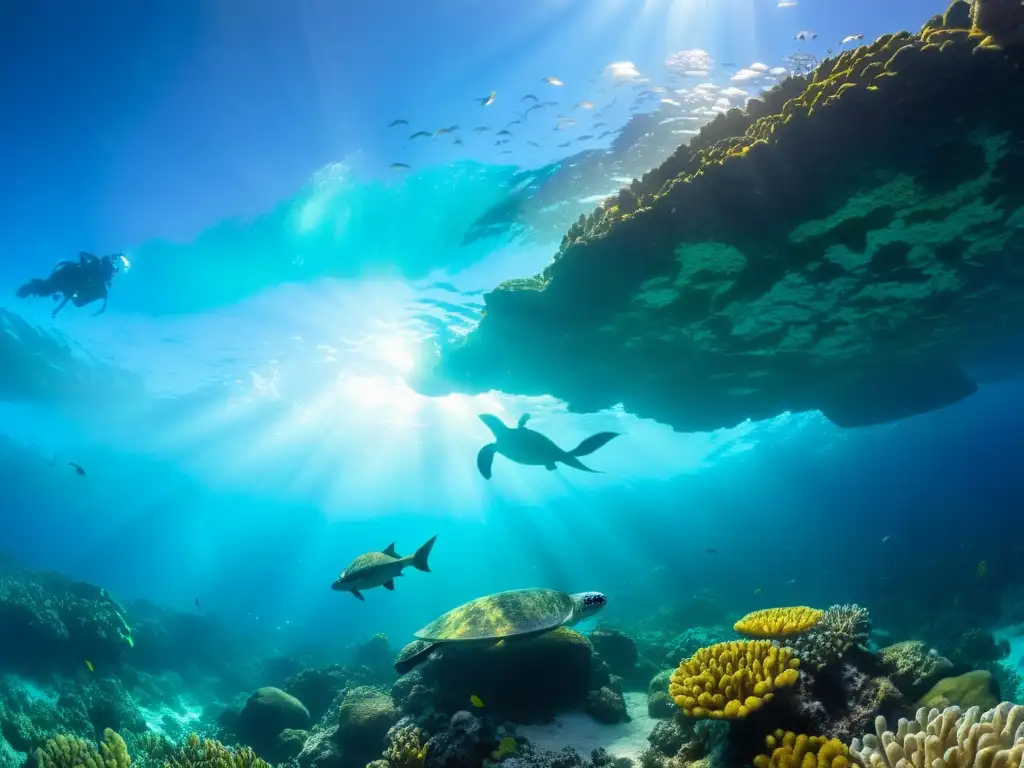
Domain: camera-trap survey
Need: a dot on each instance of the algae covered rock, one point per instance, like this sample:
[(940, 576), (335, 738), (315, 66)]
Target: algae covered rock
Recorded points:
[(365, 716), (606, 705), (267, 713), (971, 689), (913, 667), (849, 248), (617, 649), (524, 681), (659, 702)]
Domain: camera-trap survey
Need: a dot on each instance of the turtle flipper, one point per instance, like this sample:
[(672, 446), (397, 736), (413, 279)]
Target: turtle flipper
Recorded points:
[(407, 664), (591, 444), (358, 595), (571, 461), (485, 458), (523, 420)]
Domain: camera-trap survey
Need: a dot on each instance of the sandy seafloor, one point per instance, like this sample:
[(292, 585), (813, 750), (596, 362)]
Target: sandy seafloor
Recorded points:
[(585, 734)]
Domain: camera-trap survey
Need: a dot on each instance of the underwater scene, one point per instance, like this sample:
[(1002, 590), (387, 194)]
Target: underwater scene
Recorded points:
[(549, 384)]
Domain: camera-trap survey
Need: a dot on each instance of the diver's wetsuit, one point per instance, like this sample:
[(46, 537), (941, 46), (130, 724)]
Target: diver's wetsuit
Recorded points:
[(80, 282)]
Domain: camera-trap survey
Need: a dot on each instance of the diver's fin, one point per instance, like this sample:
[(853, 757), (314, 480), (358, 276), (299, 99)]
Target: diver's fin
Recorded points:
[(358, 595), (390, 551), (523, 420), (551, 466), (407, 664), (894, 391), (390, 584), (419, 560), (485, 458), (592, 443)]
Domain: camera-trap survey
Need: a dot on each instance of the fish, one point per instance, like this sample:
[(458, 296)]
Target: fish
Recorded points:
[(583, 105), (514, 122), (535, 106), (711, 551), (850, 39), (78, 469), (458, 142), (506, 747), (553, 81), (584, 137), (982, 569), (197, 602), (564, 144), (805, 35), (420, 133), (503, 133), (486, 102), (399, 166), (757, 591), (380, 569), (528, 97), (481, 129), (89, 666), (886, 538), (393, 123), (477, 701), (533, 144)]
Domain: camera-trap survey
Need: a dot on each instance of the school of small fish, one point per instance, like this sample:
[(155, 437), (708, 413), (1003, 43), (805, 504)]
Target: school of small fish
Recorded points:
[(612, 77)]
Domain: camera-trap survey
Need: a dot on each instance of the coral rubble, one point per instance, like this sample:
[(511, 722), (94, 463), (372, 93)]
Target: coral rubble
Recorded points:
[(844, 244)]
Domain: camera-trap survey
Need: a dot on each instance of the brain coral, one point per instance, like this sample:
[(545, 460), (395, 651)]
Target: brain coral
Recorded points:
[(731, 680), (778, 622), (946, 739), (788, 750)]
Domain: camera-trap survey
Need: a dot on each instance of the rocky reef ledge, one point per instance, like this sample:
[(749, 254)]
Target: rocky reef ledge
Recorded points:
[(849, 243)]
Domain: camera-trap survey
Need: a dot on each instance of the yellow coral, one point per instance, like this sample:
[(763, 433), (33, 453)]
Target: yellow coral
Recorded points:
[(778, 622), (406, 748), (207, 753), (731, 680), (71, 752), (788, 750)]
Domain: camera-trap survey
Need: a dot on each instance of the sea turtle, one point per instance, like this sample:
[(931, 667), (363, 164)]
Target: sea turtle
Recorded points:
[(524, 446), (520, 613), (380, 569)]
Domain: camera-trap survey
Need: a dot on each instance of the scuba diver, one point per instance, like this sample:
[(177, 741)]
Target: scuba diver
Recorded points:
[(80, 282)]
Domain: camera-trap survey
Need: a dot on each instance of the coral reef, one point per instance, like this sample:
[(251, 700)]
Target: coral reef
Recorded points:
[(789, 750), (617, 650), (914, 668), (71, 752), (317, 687), (365, 716), (405, 746), (467, 741), (778, 622), (971, 689), (841, 700), (49, 623), (209, 753), (946, 737), (761, 270), (730, 680), (840, 628)]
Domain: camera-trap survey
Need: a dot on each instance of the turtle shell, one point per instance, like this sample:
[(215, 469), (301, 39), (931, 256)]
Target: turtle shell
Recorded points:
[(505, 614), (412, 649)]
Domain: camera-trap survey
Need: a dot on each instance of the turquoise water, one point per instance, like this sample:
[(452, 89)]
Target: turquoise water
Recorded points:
[(248, 417)]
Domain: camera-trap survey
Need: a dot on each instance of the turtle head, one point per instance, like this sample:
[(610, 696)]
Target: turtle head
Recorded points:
[(586, 604), (496, 425)]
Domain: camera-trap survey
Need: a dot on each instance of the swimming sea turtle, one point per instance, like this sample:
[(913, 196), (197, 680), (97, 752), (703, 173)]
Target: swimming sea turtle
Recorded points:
[(518, 614), (524, 446)]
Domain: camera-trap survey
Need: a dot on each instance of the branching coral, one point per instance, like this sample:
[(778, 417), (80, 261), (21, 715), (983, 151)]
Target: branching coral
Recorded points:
[(778, 622), (70, 752), (207, 753), (841, 627), (406, 747), (731, 680), (788, 750), (946, 739)]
